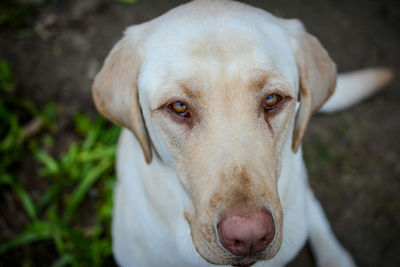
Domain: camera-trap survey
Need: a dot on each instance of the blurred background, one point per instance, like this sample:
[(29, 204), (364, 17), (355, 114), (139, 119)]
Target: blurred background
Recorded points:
[(57, 154)]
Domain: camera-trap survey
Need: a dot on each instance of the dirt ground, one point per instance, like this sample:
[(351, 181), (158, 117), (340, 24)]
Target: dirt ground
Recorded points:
[(353, 156)]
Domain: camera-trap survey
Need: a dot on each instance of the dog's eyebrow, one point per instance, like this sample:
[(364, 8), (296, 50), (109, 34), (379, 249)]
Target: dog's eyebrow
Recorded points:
[(189, 91), (190, 88), (263, 81), (259, 80)]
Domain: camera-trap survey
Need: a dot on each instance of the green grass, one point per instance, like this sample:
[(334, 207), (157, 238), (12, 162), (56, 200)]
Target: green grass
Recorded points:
[(28, 132)]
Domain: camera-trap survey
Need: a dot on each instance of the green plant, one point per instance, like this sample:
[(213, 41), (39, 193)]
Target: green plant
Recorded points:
[(85, 167)]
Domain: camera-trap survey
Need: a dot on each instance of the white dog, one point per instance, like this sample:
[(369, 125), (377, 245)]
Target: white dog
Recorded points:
[(217, 96)]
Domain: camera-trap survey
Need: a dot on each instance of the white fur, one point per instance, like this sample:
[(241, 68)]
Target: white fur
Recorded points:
[(149, 227), (353, 87)]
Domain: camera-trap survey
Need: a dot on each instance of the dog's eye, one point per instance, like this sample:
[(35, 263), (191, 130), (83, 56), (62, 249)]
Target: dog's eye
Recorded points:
[(272, 101), (179, 108)]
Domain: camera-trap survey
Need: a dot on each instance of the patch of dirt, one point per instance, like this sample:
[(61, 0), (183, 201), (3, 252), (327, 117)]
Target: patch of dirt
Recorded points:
[(353, 156)]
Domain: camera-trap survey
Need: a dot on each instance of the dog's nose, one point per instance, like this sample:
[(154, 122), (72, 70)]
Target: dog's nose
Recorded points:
[(246, 232)]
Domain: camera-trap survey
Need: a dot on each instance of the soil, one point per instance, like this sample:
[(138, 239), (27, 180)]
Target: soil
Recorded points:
[(353, 156)]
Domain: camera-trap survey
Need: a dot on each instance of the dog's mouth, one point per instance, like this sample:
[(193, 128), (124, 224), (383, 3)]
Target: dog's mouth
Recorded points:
[(245, 262), (239, 236), (249, 259)]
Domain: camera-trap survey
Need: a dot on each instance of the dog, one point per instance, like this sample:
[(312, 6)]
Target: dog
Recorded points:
[(215, 98)]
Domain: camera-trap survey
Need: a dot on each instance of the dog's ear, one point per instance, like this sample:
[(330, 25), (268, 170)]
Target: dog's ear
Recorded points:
[(115, 89), (317, 81)]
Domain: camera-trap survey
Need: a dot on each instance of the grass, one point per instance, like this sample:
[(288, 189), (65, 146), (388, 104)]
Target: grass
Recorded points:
[(29, 132)]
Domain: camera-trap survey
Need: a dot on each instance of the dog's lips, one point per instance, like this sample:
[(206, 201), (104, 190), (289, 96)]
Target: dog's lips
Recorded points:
[(245, 262)]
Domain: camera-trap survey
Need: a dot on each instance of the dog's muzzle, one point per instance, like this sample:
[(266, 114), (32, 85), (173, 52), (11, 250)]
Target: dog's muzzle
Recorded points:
[(246, 233)]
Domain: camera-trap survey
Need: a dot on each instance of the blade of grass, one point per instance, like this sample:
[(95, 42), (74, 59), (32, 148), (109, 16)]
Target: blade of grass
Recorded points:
[(22, 194), (6, 80), (99, 152), (93, 134), (10, 142), (64, 260), (49, 162), (38, 231), (50, 195), (56, 229), (84, 186), (70, 157)]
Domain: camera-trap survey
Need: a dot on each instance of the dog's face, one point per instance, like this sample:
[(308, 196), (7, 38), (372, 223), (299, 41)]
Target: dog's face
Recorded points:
[(217, 84)]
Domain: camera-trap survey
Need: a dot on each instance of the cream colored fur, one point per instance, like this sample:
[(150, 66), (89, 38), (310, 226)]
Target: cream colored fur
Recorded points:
[(176, 176)]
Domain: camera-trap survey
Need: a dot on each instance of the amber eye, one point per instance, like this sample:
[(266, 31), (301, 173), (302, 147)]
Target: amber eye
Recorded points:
[(179, 108), (272, 101)]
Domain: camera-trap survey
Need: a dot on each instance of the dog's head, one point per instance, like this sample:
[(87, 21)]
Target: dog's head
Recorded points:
[(210, 88)]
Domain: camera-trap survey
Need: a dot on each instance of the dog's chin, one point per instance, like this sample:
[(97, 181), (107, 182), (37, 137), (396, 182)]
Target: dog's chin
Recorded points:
[(242, 261), (246, 262)]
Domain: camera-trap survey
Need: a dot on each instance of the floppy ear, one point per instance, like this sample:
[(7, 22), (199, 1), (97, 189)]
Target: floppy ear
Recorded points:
[(115, 89), (317, 74)]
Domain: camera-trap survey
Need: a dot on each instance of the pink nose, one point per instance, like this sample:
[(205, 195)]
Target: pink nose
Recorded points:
[(246, 232)]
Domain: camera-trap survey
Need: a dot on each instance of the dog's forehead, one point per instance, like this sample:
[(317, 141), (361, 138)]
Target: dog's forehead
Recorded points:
[(188, 42)]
